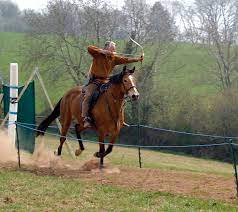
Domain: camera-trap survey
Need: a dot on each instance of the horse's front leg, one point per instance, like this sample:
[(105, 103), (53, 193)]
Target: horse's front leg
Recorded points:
[(101, 152), (110, 146)]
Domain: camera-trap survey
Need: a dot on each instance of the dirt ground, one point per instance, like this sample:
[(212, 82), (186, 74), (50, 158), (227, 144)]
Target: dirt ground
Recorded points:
[(188, 183), (205, 186)]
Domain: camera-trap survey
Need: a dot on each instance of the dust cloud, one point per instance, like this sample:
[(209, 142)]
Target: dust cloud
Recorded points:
[(43, 157), (7, 152)]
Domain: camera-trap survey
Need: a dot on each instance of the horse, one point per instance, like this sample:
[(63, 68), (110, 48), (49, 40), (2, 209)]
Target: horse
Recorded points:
[(107, 113)]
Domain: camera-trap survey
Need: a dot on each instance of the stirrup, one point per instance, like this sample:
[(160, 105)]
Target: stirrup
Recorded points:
[(125, 124)]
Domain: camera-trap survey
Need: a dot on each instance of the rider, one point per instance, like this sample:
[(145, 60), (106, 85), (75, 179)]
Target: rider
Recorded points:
[(104, 60)]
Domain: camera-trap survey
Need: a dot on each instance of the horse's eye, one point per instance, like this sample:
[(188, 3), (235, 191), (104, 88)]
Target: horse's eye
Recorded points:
[(125, 80)]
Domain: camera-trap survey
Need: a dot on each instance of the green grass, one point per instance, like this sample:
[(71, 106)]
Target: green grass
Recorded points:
[(10, 52), (188, 68), (10, 44), (26, 191), (150, 159), (22, 191), (192, 75)]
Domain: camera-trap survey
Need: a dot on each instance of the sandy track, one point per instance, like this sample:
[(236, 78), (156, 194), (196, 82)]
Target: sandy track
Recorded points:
[(186, 183), (207, 186)]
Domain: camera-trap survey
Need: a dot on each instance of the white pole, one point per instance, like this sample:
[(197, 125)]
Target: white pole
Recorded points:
[(13, 105)]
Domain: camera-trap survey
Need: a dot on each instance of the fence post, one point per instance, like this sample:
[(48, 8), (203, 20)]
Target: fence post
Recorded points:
[(13, 103), (234, 164), (18, 146), (139, 149), (138, 135)]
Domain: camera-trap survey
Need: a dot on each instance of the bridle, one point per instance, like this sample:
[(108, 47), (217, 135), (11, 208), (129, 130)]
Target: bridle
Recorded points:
[(126, 92)]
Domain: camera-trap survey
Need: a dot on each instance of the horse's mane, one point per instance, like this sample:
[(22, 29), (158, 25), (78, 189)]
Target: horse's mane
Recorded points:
[(117, 78)]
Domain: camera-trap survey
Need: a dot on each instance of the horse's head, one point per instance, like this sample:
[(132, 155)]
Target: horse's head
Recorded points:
[(129, 84)]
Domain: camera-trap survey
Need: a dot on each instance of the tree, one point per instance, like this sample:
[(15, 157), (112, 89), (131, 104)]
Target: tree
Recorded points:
[(100, 21), (55, 40), (60, 35), (8, 9), (155, 29), (11, 18), (213, 24)]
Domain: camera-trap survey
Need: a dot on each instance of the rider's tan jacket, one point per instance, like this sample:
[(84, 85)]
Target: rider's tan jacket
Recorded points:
[(103, 64)]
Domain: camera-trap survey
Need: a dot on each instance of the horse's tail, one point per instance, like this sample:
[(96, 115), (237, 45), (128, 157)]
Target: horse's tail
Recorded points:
[(46, 122)]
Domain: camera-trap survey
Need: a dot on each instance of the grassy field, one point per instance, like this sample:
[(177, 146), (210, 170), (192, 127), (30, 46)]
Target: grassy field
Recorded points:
[(10, 44), (150, 159), (186, 68), (46, 191), (10, 52), (22, 191)]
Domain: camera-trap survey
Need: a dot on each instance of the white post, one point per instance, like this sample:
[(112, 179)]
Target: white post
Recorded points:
[(13, 105)]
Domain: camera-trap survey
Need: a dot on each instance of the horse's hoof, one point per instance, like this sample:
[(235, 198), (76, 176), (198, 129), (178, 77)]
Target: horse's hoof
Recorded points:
[(78, 152), (97, 155), (56, 153)]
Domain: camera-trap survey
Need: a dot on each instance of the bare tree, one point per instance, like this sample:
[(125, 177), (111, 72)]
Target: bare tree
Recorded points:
[(60, 35), (153, 28), (56, 40), (214, 25), (11, 19)]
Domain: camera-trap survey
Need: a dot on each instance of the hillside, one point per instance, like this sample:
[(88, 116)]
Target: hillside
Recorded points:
[(188, 68), (185, 68)]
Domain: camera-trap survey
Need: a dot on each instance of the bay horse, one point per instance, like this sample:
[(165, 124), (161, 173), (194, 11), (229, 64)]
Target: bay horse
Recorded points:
[(107, 113)]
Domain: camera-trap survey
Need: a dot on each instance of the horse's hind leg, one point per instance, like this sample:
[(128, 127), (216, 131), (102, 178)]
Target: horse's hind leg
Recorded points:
[(81, 146), (64, 130)]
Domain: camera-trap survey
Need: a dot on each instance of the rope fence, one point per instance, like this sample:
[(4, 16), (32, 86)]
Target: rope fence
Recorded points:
[(143, 126), (123, 145)]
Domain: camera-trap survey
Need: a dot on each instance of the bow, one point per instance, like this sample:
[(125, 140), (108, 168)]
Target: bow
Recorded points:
[(142, 50)]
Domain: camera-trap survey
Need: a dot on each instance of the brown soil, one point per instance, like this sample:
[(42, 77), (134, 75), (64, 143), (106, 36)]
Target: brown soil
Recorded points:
[(206, 186)]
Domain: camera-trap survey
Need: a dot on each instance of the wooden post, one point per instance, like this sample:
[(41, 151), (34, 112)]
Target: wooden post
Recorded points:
[(138, 135), (234, 164), (18, 147)]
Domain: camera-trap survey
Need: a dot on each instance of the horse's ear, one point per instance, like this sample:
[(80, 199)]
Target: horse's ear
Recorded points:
[(132, 70), (124, 70)]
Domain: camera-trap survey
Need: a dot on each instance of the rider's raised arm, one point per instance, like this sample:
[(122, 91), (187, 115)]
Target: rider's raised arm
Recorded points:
[(124, 60), (93, 50)]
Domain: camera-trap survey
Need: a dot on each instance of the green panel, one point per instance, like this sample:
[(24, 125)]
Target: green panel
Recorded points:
[(26, 115), (1, 109)]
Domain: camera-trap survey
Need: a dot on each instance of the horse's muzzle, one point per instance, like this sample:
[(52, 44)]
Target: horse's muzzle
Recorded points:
[(135, 97)]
